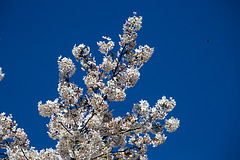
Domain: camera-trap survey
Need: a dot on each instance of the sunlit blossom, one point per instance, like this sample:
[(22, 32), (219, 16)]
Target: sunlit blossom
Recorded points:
[(82, 121)]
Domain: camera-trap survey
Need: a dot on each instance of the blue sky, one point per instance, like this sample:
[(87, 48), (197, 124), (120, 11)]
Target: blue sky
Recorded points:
[(203, 77)]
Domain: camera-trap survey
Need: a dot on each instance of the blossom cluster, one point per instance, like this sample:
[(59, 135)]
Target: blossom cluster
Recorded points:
[(81, 121), (1, 74)]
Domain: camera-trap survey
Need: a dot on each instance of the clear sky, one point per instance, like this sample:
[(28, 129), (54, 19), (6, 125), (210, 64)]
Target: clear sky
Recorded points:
[(202, 76)]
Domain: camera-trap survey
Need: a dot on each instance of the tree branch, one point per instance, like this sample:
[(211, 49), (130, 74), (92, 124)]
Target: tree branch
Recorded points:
[(87, 122), (65, 128), (24, 154), (119, 59)]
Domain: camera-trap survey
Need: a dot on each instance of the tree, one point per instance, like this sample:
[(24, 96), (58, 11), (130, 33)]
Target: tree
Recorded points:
[(82, 122)]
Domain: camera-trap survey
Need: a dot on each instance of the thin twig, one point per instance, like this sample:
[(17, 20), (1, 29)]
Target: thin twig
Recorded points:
[(87, 122), (65, 128), (119, 59), (24, 154)]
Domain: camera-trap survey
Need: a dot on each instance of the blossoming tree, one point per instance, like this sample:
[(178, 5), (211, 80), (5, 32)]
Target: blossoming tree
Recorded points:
[(83, 124)]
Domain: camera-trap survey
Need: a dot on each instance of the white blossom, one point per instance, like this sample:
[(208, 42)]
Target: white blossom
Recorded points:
[(80, 51), (48, 109), (113, 92), (132, 25), (105, 47), (107, 38), (108, 64), (69, 93), (83, 123), (172, 124), (165, 104), (9, 130), (143, 108), (158, 139), (143, 53), (66, 67), (1, 74), (98, 103), (132, 75)]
